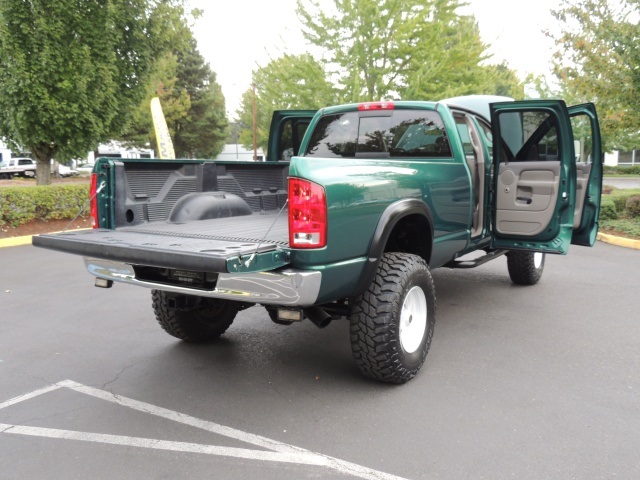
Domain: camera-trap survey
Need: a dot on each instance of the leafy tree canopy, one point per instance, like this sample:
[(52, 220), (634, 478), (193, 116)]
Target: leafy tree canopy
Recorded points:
[(598, 60), (192, 103), (72, 73), (289, 82), (411, 49)]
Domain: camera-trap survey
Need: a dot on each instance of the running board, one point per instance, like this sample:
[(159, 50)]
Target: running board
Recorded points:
[(476, 262)]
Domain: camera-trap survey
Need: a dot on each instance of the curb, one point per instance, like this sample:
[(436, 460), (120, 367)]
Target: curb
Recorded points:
[(603, 237), (15, 241), (619, 241), (26, 240)]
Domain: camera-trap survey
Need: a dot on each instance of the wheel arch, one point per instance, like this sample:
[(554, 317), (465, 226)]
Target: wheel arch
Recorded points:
[(405, 226)]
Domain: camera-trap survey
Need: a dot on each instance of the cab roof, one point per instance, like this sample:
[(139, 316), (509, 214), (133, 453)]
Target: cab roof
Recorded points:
[(475, 103)]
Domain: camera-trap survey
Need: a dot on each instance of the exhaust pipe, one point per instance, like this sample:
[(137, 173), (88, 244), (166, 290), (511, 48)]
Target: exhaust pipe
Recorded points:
[(318, 316)]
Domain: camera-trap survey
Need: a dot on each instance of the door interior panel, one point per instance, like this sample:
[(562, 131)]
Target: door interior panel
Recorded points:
[(526, 196)]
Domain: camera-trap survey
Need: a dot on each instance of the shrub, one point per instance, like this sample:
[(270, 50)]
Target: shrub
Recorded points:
[(608, 209), (620, 201), (622, 170), (633, 206), (625, 227), (16, 206), (19, 205)]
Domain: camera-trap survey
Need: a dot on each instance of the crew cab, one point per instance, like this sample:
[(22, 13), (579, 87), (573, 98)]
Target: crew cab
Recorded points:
[(374, 196)]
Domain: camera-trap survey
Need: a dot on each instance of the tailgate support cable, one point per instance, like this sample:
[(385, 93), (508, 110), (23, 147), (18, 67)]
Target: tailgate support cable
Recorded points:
[(253, 255), (88, 202)]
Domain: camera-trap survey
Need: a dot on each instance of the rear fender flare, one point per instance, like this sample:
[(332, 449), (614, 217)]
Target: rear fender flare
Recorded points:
[(388, 221)]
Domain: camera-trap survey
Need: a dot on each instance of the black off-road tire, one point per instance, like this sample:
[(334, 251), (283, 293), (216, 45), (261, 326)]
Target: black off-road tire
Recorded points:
[(525, 268), (201, 323), (376, 315)]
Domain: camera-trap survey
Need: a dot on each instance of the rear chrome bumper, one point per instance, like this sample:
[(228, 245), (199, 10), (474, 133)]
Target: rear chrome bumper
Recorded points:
[(283, 287)]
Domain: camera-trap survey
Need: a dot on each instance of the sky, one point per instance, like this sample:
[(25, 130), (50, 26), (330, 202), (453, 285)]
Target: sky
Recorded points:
[(236, 37)]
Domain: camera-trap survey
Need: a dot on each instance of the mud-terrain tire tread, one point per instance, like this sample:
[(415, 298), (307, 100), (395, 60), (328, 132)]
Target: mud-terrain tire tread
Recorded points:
[(522, 269), (196, 324), (374, 318)]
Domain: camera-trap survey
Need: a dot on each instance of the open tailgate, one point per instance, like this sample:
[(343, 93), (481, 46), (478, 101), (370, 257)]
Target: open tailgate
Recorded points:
[(189, 246)]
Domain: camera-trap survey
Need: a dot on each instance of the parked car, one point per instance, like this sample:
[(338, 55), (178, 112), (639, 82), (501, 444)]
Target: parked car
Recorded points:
[(85, 169), (65, 171)]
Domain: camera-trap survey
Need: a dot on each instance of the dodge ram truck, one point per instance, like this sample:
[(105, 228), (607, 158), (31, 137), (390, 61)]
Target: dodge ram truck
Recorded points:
[(353, 208)]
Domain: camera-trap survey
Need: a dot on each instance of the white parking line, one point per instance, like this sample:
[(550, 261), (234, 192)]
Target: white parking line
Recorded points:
[(182, 418), (280, 452), (33, 394), (305, 459)]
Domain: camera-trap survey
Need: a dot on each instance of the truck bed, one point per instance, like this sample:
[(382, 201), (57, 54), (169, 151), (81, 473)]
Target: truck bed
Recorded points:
[(147, 230)]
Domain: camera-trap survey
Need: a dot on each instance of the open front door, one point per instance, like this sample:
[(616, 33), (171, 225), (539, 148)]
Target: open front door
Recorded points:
[(286, 132), (589, 157), (534, 177)]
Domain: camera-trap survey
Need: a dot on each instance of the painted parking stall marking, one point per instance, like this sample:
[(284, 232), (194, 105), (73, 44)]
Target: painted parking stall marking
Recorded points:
[(279, 452)]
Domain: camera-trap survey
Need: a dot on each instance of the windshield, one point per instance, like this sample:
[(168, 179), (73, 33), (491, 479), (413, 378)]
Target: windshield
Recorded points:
[(396, 133)]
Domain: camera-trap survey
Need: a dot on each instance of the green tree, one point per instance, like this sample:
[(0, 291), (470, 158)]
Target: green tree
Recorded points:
[(192, 103), (501, 80), (71, 73), (447, 60), (175, 103), (598, 60), (387, 49), (201, 133), (288, 82)]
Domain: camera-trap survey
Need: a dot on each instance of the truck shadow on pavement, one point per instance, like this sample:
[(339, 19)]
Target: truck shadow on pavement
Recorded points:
[(256, 350)]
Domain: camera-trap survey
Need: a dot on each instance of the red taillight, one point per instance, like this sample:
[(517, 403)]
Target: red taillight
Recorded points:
[(375, 106), (94, 200), (307, 214)]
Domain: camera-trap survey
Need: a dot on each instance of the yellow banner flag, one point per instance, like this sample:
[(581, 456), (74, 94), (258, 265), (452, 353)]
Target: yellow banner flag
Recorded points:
[(165, 145)]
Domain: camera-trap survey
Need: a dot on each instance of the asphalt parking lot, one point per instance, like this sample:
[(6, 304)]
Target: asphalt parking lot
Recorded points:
[(537, 382)]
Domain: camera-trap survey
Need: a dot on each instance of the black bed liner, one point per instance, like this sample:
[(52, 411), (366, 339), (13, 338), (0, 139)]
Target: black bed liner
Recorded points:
[(191, 245)]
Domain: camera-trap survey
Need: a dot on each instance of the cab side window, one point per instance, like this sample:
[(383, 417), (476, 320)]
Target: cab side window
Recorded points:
[(463, 132)]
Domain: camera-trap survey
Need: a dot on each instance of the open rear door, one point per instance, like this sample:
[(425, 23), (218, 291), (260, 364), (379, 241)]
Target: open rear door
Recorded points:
[(534, 177), (589, 158)]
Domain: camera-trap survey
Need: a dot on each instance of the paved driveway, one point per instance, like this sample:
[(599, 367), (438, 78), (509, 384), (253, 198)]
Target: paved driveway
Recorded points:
[(521, 382), (621, 182)]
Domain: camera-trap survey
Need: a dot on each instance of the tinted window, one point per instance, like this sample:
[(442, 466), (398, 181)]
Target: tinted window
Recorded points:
[(463, 131), (583, 138), (487, 135), (404, 133), (529, 135), (291, 134)]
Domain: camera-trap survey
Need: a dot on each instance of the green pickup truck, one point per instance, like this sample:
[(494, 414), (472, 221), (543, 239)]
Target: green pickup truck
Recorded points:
[(352, 209)]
